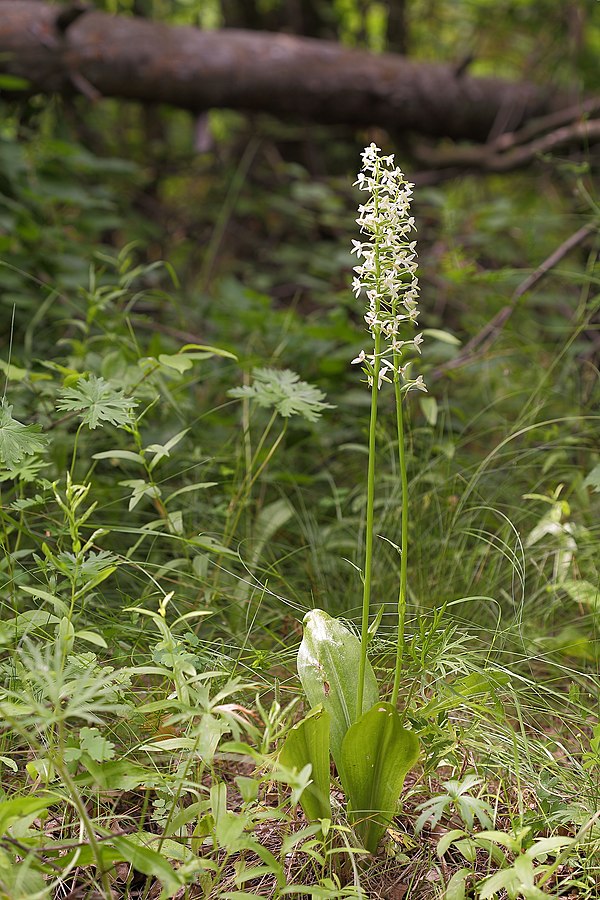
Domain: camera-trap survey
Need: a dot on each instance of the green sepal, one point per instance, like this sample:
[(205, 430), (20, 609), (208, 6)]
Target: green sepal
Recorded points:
[(328, 666), (377, 752)]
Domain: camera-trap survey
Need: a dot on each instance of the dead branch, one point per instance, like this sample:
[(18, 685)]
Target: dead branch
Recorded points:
[(515, 150), (482, 341)]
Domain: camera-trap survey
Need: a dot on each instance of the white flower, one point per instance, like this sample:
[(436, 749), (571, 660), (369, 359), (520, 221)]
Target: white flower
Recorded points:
[(387, 274), (359, 359), (384, 369)]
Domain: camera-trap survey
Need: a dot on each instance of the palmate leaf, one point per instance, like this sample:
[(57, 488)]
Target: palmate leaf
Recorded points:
[(97, 400), (17, 440), (283, 392)]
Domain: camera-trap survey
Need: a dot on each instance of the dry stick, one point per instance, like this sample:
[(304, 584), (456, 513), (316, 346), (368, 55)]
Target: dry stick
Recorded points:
[(550, 122), (576, 133), (511, 151), (488, 334)]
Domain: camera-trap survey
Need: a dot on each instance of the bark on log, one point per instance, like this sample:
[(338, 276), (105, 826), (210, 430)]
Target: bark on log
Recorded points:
[(319, 81)]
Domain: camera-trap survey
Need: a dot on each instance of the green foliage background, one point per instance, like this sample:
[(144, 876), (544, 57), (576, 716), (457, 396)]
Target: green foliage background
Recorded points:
[(255, 232)]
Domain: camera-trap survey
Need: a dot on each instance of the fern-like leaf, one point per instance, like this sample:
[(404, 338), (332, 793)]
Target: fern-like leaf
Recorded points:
[(17, 440), (97, 400), (284, 392)]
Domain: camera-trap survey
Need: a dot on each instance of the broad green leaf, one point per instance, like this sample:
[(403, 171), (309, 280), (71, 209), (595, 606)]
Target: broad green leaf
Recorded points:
[(92, 638), (506, 879), (191, 353), (308, 742), (15, 373), (19, 880), (21, 807), (444, 336), (116, 775), (229, 831), (24, 622), (13, 83), (140, 489), (95, 744), (201, 486), (548, 846), (248, 787), (455, 889), (448, 838), (95, 581), (377, 752), (59, 605), (328, 665), (178, 362), (169, 849), (133, 849)]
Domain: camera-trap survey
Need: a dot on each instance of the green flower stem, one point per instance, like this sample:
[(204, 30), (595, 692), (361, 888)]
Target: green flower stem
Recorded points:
[(404, 531), (366, 603)]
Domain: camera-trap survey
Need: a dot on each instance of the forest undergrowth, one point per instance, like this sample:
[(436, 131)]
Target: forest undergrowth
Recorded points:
[(184, 478)]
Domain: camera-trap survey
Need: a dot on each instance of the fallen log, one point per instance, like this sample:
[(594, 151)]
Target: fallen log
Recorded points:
[(67, 49)]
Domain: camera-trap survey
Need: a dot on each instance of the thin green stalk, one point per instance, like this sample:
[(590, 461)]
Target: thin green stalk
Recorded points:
[(366, 603), (75, 443), (404, 532)]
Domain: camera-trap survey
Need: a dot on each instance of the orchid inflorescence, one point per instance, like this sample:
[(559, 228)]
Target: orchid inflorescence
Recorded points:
[(387, 275)]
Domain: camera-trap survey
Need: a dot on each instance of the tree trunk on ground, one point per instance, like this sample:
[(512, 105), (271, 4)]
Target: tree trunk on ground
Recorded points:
[(59, 50)]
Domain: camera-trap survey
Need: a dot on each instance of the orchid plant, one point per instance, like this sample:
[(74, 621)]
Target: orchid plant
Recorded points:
[(367, 739)]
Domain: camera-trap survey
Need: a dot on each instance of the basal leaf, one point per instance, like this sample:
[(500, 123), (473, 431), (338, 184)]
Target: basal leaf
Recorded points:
[(583, 592), (328, 665), (308, 742), (377, 752)]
